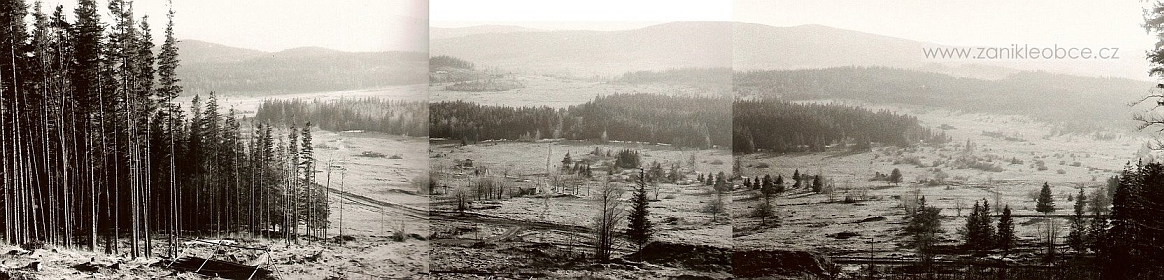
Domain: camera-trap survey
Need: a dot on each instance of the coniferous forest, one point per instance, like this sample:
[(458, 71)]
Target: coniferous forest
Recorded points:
[(783, 126), (96, 153), (682, 121)]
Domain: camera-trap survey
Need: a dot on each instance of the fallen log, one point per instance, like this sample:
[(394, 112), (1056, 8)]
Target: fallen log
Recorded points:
[(216, 268)]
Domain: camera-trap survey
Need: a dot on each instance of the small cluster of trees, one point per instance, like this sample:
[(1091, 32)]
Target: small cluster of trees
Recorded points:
[(925, 223), (893, 177), (450, 62), (981, 234), (639, 227), (627, 158), (769, 188)]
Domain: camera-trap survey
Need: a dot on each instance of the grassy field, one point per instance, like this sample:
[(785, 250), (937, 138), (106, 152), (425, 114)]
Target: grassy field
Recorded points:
[(558, 220), (1002, 166)]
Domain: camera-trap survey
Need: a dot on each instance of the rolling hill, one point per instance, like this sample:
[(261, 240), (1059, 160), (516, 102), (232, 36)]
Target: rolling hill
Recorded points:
[(213, 67), (588, 53), (763, 47), (742, 46)]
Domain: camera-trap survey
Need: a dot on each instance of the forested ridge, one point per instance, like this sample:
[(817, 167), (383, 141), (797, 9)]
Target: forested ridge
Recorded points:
[(306, 70), (682, 121), (1077, 103), (784, 126), (408, 118), (94, 149), (720, 76)]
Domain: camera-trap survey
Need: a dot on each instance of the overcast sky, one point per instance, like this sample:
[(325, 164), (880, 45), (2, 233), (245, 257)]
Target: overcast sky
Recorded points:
[(1082, 23), (575, 14), (274, 25)]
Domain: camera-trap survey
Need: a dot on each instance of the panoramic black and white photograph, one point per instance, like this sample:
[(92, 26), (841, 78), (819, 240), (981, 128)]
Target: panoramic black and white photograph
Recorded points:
[(604, 139), (213, 139), (580, 140)]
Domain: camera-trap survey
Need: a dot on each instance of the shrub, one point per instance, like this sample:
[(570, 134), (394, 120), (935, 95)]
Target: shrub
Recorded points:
[(32, 245), (399, 235), (627, 158), (372, 154)]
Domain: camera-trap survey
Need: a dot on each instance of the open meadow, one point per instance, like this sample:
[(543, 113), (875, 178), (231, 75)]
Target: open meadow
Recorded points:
[(551, 214), (1004, 160)]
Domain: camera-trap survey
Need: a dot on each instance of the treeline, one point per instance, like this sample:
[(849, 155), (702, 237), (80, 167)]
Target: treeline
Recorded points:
[(679, 75), (307, 71), (448, 69), (681, 121), (783, 126), (407, 118), (1079, 104), (715, 81), (94, 147), (445, 61)]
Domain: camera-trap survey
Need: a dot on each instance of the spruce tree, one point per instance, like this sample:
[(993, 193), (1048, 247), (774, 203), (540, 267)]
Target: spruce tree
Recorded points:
[(1078, 235), (970, 230), (640, 229), (986, 225), (1046, 204), (796, 179), (1005, 237)]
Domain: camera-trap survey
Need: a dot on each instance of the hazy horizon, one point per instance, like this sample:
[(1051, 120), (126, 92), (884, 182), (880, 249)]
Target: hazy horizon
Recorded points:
[(601, 15), (975, 23), (396, 25)]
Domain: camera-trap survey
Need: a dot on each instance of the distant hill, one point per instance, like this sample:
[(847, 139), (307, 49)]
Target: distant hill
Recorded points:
[(213, 67), (588, 53), (763, 47), (1076, 102), (195, 51)]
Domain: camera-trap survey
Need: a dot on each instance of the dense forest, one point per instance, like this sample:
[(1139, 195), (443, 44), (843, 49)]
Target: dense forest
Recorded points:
[(1078, 104), (407, 118), (783, 126), (681, 121), (95, 149)]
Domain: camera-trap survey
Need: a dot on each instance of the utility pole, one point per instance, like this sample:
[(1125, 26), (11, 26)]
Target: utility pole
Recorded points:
[(341, 202), (871, 241)]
